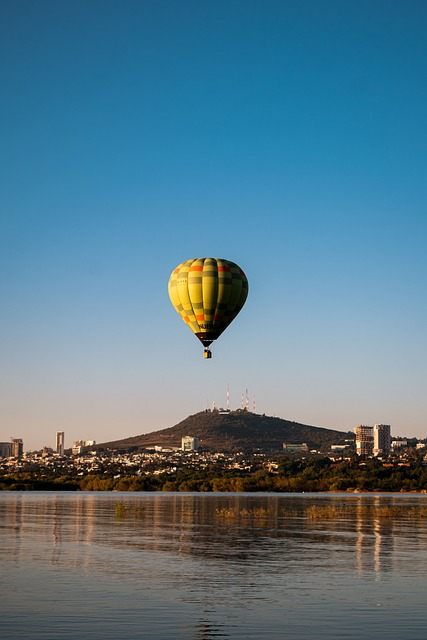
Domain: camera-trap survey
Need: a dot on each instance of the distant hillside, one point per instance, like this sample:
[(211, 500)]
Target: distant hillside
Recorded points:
[(234, 431)]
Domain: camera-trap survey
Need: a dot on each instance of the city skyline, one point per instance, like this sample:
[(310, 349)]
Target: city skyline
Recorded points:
[(369, 440), (289, 138)]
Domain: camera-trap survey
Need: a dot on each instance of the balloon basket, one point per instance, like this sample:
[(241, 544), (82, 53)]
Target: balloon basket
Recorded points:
[(207, 354)]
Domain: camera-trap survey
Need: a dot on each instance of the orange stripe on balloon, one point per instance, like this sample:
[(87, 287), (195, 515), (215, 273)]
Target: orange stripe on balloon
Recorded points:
[(196, 268)]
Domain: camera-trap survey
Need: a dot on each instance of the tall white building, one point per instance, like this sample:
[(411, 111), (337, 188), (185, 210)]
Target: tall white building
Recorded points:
[(60, 442), (190, 443), (382, 439), (16, 447), (364, 440)]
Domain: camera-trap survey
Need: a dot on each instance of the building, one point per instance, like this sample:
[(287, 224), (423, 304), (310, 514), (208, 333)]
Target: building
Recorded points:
[(190, 443), (399, 444), (295, 447), (5, 450), (364, 440), (339, 447), (382, 439), (60, 443), (78, 446), (16, 447)]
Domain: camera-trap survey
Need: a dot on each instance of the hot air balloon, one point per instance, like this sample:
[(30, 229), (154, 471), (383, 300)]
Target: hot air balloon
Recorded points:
[(207, 293)]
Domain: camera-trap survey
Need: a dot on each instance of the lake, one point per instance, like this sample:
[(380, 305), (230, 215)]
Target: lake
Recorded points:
[(125, 566)]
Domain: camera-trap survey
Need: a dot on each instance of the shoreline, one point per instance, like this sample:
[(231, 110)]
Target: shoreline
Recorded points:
[(260, 493)]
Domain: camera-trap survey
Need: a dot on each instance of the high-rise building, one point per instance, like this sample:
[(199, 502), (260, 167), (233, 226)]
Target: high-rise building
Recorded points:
[(364, 440), (16, 447), (60, 443), (382, 439), (190, 443), (5, 449)]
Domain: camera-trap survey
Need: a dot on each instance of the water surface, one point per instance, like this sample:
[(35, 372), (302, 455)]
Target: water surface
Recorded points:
[(160, 566)]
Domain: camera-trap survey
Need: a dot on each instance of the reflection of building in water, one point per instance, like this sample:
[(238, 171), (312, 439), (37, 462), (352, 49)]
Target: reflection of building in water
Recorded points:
[(60, 443), (56, 521), (11, 517), (364, 440), (360, 535), (382, 439), (374, 535), (377, 547), (73, 520)]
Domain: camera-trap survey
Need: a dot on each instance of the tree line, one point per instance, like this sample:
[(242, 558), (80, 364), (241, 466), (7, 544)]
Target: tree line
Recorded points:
[(316, 474)]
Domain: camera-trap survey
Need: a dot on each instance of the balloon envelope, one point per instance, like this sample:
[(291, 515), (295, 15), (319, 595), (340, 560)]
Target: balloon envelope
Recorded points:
[(208, 293)]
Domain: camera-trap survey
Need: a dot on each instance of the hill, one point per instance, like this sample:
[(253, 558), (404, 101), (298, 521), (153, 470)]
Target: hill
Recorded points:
[(234, 431)]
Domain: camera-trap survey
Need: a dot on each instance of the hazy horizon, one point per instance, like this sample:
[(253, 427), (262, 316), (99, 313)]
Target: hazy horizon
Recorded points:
[(288, 137)]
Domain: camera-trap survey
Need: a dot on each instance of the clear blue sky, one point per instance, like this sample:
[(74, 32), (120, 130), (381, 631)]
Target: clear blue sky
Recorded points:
[(288, 136)]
